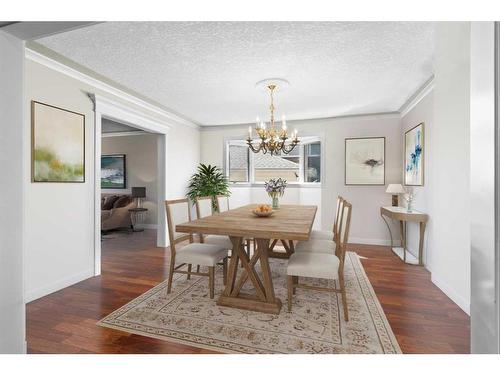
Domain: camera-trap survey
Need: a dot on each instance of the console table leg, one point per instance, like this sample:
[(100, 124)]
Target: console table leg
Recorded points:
[(421, 244), (389, 229), (402, 229)]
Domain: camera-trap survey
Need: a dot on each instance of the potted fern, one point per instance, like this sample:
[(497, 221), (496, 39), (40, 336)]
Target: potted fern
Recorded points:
[(208, 181)]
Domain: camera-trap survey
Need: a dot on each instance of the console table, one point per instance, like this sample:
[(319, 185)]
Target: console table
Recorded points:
[(400, 214)]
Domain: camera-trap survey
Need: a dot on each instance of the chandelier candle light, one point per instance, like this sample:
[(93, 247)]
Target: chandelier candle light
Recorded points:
[(272, 140)]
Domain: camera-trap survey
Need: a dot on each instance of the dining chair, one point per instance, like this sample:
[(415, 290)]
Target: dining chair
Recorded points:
[(200, 254), (204, 208), (222, 203), (326, 234), (322, 265), (326, 243)]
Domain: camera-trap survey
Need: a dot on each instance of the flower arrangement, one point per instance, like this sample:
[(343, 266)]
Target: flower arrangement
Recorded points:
[(275, 188)]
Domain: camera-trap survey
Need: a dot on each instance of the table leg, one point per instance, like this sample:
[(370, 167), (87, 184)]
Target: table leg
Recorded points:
[(289, 249), (233, 265), (421, 244), (263, 244)]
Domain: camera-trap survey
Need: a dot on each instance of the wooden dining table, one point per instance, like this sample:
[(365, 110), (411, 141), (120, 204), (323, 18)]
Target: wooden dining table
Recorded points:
[(288, 223)]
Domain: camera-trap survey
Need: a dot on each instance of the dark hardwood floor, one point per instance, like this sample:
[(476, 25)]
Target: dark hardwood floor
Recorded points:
[(423, 318)]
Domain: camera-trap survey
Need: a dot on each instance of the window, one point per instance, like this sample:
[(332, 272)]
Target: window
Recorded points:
[(301, 165), (312, 162), (238, 163), (266, 167)]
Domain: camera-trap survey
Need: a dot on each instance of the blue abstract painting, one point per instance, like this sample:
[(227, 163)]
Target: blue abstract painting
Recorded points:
[(414, 156)]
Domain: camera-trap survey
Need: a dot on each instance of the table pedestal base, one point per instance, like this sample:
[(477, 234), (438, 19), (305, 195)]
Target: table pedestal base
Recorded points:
[(264, 300), (248, 302)]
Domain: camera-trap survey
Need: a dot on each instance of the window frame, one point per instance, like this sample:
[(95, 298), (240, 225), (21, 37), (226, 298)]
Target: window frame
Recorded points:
[(302, 161), (227, 164), (305, 160)]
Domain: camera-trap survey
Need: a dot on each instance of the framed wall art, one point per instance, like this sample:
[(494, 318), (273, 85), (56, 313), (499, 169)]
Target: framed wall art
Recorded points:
[(57, 144), (365, 161), (414, 156), (113, 172)]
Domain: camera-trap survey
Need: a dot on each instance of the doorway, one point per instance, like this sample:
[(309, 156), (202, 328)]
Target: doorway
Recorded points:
[(111, 112)]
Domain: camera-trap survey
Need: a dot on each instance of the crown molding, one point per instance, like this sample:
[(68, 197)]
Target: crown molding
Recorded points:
[(421, 93), (124, 134), (48, 62), (127, 115), (379, 115)]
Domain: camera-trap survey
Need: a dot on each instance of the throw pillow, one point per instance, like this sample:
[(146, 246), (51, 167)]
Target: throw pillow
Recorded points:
[(123, 201), (109, 201)]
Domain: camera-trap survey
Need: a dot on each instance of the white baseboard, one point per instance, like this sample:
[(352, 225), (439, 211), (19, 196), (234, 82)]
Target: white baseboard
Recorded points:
[(373, 241), (451, 293), (32, 295)]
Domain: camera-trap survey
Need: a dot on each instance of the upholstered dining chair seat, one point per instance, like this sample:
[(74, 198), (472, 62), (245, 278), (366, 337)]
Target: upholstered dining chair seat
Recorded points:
[(201, 254), (321, 235), (219, 240), (316, 246), (323, 266)]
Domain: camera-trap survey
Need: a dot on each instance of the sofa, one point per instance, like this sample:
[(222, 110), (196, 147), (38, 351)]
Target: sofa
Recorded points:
[(114, 211)]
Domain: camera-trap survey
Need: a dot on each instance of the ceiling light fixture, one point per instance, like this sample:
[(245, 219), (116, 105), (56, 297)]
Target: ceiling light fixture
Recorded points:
[(272, 140)]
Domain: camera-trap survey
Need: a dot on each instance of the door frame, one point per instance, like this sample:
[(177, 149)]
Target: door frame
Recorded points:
[(140, 119)]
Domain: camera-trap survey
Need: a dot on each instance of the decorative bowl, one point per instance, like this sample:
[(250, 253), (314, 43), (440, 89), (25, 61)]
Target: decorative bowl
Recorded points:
[(262, 214), (263, 211)]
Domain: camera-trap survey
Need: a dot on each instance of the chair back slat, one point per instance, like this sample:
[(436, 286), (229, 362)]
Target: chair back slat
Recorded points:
[(222, 203), (204, 207), (338, 212), (343, 230), (177, 213)]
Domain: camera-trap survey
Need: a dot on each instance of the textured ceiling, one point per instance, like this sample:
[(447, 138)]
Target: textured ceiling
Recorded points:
[(206, 71)]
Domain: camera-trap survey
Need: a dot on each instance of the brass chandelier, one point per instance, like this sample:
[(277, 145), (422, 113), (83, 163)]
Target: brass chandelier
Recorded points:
[(272, 140)]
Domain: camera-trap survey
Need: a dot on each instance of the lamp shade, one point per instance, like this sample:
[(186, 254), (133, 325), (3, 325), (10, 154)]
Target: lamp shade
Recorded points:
[(139, 192), (395, 189)]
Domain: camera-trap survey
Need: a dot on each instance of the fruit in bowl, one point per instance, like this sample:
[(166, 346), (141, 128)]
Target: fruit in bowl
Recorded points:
[(263, 210)]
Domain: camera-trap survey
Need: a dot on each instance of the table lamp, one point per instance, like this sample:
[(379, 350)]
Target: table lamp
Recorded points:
[(395, 189), (139, 193)]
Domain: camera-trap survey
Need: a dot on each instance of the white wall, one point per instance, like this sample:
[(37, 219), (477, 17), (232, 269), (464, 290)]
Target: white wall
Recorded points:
[(59, 225), (183, 148), (60, 220), (366, 225), (12, 311), (142, 159), (484, 288), (421, 112), (449, 170)]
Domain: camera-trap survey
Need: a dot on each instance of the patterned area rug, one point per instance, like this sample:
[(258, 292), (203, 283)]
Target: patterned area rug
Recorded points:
[(315, 325)]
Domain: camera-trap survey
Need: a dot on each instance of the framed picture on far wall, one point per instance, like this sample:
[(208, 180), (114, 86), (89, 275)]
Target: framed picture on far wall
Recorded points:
[(414, 156), (113, 172), (365, 161), (57, 144)]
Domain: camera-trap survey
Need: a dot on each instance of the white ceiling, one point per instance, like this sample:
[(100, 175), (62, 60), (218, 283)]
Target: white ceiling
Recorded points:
[(206, 71)]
